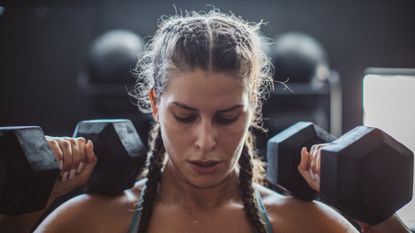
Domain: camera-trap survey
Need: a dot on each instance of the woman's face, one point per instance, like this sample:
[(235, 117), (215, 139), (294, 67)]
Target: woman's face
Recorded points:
[(204, 118)]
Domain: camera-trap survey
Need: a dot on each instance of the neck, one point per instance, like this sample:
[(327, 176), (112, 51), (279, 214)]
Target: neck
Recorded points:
[(176, 191)]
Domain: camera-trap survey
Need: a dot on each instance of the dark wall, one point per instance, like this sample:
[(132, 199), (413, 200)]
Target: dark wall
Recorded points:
[(43, 46)]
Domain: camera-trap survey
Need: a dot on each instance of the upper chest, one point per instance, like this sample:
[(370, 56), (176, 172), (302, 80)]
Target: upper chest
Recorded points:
[(228, 219)]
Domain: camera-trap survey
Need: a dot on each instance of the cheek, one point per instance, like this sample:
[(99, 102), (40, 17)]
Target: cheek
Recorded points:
[(233, 136), (175, 137)]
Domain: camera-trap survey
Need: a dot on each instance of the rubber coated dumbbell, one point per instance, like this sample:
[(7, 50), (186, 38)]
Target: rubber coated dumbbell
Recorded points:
[(29, 168), (120, 152), (283, 157), (365, 173)]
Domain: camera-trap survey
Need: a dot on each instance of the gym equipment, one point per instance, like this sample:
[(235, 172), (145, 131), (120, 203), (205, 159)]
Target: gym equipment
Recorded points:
[(28, 168), (299, 57), (112, 56), (120, 152), (365, 173), (283, 157)]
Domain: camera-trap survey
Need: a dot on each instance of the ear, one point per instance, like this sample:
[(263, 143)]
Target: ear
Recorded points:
[(153, 102)]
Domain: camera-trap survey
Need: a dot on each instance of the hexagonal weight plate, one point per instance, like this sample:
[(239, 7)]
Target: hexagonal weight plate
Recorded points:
[(367, 174), (30, 169), (120, 152), (284, 155)]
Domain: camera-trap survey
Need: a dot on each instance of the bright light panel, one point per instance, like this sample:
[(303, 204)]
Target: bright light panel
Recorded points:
[(389, 104)]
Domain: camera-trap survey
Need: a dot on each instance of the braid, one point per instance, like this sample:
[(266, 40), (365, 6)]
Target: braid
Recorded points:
[(155, 166), (245, 182)]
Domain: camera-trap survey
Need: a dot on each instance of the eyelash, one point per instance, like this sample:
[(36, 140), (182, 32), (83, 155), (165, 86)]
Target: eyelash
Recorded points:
[(220, 120), (186, 120), (225, 120)]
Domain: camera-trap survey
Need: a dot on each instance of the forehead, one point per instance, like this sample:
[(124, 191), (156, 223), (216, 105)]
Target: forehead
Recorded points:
[(205, 88)]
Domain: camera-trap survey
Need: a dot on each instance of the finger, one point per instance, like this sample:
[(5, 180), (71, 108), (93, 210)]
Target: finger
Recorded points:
[(316, 155), (91, 160), (313, 161), (313, 148), (66, 148), (90, 154), (318, 163), (305, 170), (82, 144), (304, 159), (57, 152), (316, 147), (75, 157)]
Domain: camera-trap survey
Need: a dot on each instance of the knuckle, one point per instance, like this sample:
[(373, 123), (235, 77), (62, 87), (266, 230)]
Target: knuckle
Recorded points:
[(73, 141), (81, 140), (64, 143), (59, 153), (53, 143)]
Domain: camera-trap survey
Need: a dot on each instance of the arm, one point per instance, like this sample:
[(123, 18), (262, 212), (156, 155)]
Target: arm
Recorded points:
[(93, 213), (309, 168), (73, 154), (73, 211), (391, 224), (291, 215)]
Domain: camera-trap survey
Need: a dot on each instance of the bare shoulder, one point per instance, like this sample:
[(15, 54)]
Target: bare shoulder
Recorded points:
[(94, 213), (288, 214)]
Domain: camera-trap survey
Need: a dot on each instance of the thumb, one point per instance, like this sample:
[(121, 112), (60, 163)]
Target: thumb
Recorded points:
[(304, 164)]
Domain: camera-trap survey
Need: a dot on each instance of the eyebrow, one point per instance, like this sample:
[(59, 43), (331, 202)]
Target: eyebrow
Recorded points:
[(195, 109)]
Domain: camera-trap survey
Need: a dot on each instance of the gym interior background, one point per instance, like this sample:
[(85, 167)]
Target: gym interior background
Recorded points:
[(46, 49)]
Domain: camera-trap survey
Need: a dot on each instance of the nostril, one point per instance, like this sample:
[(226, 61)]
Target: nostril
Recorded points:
[(205, 136), (206, 142)]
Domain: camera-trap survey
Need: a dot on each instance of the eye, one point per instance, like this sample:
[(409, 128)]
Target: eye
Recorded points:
[(185, 118), (225, 120)]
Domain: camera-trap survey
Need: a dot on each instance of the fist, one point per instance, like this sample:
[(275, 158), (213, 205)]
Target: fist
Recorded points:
[(76, 160)]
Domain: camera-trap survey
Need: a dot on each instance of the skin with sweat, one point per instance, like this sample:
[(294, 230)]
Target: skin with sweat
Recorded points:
[(204, 118)]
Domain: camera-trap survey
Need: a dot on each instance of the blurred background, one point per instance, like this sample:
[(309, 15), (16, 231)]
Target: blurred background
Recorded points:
[(46, 45), (66, 61)]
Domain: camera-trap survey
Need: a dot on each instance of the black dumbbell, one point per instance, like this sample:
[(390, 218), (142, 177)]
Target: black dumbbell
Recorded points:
[(30, 168), (120, 152), (365, 173), (283, 157)]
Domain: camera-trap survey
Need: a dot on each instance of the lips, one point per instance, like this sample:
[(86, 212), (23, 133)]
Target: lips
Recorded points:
[(205, 167)]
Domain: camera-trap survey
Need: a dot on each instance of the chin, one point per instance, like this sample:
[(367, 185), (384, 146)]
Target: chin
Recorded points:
[(206, 182), (205, 185)]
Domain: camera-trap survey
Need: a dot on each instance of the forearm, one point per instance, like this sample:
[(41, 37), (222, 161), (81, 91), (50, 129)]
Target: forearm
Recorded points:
[(392, 224), (23, 223)]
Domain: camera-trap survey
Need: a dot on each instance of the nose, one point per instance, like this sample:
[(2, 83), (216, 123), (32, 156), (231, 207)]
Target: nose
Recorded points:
[(205, 136)]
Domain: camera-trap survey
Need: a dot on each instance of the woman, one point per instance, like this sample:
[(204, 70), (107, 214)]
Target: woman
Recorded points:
[(203, 77)]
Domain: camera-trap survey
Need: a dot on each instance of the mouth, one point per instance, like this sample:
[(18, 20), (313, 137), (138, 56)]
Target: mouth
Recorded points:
[(205, 167)]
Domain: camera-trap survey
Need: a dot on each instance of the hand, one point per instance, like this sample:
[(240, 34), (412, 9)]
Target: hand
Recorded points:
[(76, 160), (309, 166)]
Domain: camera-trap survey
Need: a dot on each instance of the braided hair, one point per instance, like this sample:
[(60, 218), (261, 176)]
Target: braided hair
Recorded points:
[(211, 41), (156, 157)]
